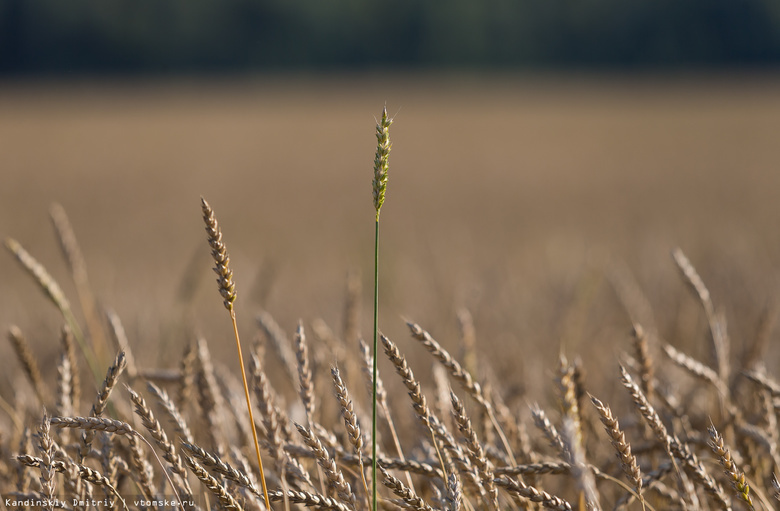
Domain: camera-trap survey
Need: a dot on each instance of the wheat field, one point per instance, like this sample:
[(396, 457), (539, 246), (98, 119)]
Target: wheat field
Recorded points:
[(564, 254)]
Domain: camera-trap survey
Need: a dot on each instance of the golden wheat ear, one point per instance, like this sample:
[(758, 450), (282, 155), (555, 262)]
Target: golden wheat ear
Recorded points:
[(227, 288)]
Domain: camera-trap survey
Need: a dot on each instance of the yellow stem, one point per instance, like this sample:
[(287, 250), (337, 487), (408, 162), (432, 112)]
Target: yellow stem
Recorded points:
[(249, 408)]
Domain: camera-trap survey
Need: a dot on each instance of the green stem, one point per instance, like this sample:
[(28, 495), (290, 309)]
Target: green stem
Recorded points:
[(376, 334)]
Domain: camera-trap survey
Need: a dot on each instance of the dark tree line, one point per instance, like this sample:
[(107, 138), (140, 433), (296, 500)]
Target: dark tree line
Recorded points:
[(172, 36)]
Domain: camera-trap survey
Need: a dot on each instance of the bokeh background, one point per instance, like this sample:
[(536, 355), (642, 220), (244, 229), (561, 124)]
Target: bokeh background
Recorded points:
[(547, 158)]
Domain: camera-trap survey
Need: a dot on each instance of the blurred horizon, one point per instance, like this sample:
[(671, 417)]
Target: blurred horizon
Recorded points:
[(196, 37)]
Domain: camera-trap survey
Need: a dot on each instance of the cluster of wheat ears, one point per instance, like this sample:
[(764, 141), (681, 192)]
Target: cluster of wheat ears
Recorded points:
[(198, 439)]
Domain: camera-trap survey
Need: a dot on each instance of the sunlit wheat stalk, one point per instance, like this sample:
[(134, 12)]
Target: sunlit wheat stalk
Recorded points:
[(227, 289), (379, 185)]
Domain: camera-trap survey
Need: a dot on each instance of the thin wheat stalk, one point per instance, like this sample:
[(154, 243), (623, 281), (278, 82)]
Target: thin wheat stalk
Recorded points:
[(187, 369), (735, 475), (28, 361), (53, 291), (352, 309), (213, 485), (120, 339), (379, 188), (78, 270)]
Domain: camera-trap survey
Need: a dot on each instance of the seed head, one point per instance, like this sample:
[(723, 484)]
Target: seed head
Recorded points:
[(227, 288), (381, 165)]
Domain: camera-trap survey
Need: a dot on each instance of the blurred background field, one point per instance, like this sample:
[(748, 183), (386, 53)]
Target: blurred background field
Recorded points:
[(522, 198), (547, 158)]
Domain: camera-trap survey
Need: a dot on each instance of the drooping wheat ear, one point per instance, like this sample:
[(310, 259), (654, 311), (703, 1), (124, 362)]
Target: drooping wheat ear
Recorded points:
[(53, 291), (764, 380), (94, 424), (623, 448), (735, 475), (350, 422), (475, 451), (153, 426), (308, 499), (673, 445), (696, 368), (306, 390), (381, 396), (78, 270), (120, 428), (46, 450), (550, 431), (332, 472), (173, 412), (85, 473), (532, 494), (28, 361), (462, 376), (223, 468), (716, 322), (646, 370), (410, 499), (99, 406), (212, 484)]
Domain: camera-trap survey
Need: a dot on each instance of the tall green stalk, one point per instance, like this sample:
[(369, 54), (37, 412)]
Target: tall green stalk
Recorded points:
[(379, 187)]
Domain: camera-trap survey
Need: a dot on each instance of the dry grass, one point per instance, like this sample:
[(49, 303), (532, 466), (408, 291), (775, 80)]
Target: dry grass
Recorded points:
[(705, 388)]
